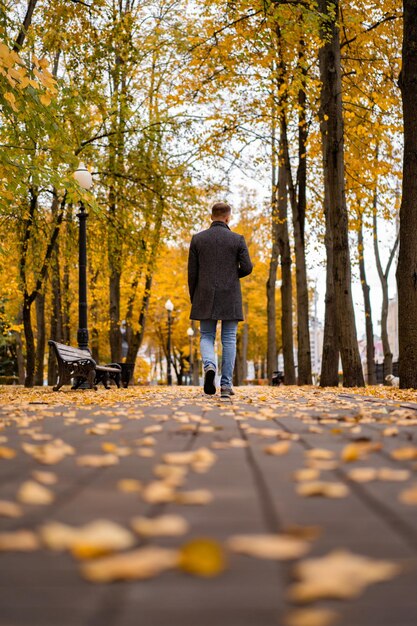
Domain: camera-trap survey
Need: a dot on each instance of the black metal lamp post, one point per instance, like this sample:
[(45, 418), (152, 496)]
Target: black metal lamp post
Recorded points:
[(85, 180), (169, 307), (190, 333)]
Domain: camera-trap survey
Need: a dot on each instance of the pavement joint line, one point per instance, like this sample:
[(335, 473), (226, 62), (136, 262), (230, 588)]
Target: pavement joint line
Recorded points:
[(111, 608), (272, 519), (400, 527), (393, 403)]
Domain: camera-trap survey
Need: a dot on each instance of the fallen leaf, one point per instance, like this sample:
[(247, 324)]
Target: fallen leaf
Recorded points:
[(321, 488), (97, 460), (152, 429), (311, 617), (281, 547), (196, 496), (129, 485), (31, 492), (49, 453), (319, 453), (7, 453), (406, 453), (47, 478), (178, 458), (137, 565), (10, 509), (308, 533), (172, 475), (169, 525), (340, 575), (409, 496), (158, 492), (363, 474), (278, 449), (146, 441), (92, 540), (390, 432), (146, 452), (19, 540), (306, 473), (235, 442), (200, 460), (386, 473), (107, 446), (358, 450), (202, 557)]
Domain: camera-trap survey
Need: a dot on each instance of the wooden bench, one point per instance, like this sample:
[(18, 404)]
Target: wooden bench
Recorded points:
[(80, 365)]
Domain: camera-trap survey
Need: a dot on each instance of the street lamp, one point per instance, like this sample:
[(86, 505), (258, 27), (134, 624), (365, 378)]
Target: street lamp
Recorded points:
[(85, 181), (190, 333), (169, 307)]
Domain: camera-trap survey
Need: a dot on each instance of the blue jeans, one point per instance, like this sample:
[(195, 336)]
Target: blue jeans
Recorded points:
[(207, 339)]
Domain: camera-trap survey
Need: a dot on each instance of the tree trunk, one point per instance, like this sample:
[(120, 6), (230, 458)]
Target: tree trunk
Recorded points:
[(329, 376), (273, 266), (238, 370), (94, 319), (66, 304), (286, 278), (56, 316), (383, 277), (407, 260), (333, 166), (40, 338), (19, 349), (26, 23), (245, 341), (370, 348), (29, 341), (298, 207)]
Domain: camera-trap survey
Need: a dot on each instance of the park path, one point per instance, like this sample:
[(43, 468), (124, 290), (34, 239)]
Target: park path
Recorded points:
[(247, 460)]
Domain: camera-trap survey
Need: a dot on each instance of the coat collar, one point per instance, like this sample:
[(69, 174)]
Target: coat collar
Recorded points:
[(217, 223)]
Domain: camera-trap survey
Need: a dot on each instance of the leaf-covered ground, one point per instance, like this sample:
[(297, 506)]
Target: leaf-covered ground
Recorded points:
[(286, 506)]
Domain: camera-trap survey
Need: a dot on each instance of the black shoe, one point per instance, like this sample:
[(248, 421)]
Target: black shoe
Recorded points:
[(226, 393), (209, 386)]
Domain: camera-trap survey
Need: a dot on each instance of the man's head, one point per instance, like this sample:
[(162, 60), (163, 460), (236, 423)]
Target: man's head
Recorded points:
[(221, 212)]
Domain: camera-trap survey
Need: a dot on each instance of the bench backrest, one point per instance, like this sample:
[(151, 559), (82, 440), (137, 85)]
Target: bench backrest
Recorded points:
[(68, 353)]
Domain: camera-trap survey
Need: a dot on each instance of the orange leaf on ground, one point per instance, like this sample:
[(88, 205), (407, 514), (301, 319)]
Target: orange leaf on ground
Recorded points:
[(278, 449), (31, 492), (19, 540), (202, 557), (91, 540), (340, 575), (311, 617), (321, 488), (409, 496), (10, 509), (137, 565), (281, 547), (169, 525)]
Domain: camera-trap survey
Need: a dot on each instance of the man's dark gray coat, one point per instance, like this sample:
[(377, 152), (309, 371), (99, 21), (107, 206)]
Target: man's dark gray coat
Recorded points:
[(217, 259)]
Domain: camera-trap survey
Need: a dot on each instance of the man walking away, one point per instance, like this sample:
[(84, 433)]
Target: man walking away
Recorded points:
[(217, 259)]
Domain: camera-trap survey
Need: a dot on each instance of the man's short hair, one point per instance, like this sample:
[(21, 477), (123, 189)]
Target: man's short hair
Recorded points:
[(220, 209)]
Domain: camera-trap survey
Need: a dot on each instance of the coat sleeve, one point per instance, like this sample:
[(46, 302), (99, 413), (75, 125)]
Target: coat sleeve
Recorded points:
[(245, 264), (192, 268)]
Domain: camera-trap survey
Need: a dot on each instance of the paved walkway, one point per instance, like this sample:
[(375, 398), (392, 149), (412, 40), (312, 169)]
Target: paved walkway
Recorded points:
[(248, 457)]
